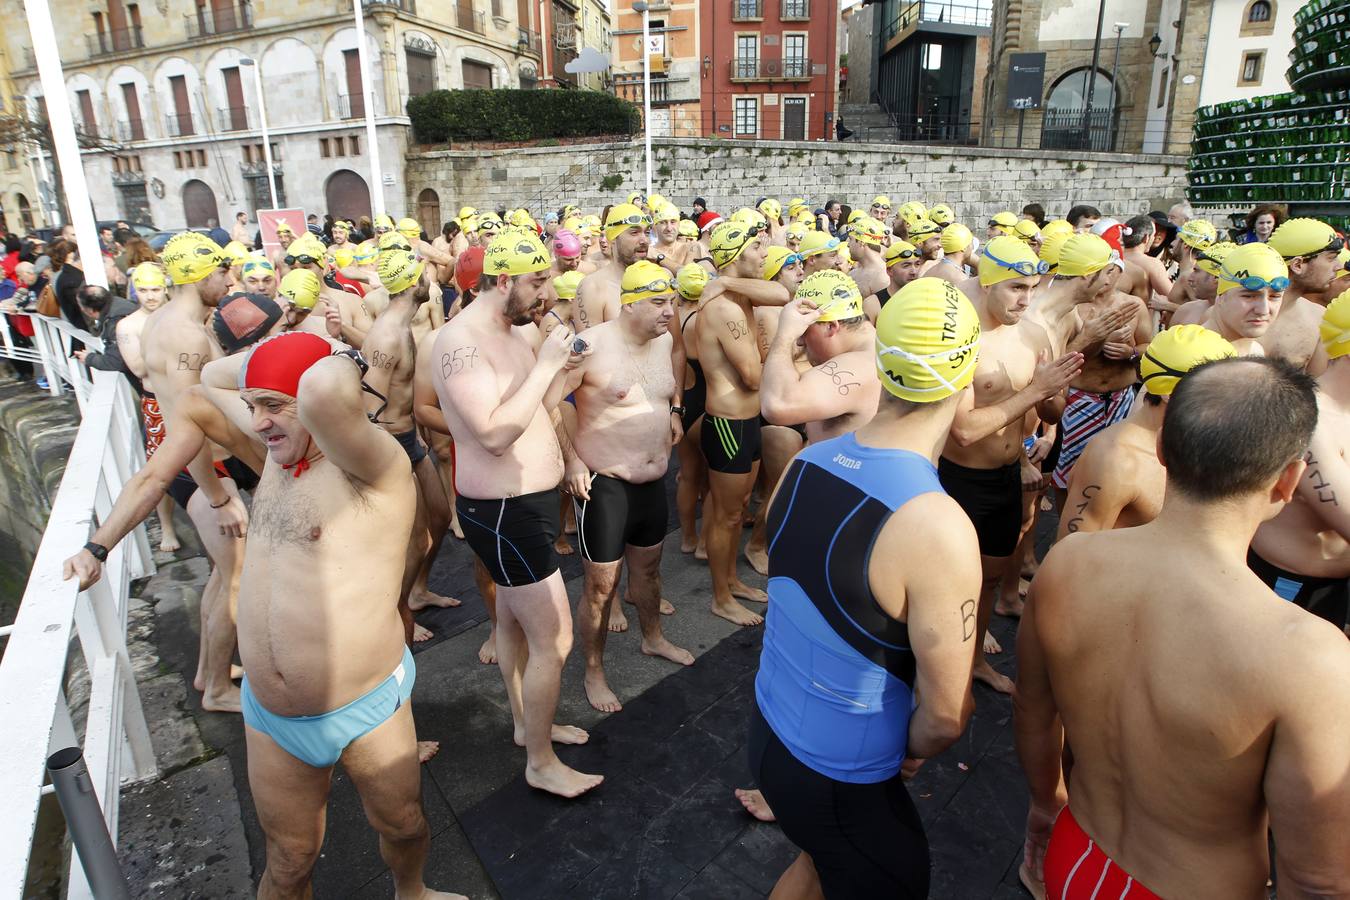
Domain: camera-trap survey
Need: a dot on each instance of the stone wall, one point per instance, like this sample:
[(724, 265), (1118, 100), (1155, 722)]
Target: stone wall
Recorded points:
[(976, 182)]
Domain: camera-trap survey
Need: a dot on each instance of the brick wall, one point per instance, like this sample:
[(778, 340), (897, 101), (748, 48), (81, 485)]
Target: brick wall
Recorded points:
[(977, 182)]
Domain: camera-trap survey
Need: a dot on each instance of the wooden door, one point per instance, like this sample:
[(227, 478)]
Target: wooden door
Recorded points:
[(199, 205)]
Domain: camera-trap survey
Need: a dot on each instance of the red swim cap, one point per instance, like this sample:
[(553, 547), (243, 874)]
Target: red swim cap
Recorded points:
[(278, 362), (469, 269)]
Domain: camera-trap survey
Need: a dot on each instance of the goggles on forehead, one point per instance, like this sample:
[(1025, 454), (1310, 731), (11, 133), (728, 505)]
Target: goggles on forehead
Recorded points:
[(630, 220), (303, 259), (254, 266), (906, 254), (792, 259), (1022, 267), (1278, 284), (660, 286), (1335, 246)]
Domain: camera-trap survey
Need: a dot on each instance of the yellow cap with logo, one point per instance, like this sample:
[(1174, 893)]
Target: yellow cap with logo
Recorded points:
[(644, 280), (365, 252), (343, 255), (774, 259), (899, 250), (911, 210), (307, 245), (1335, 327), (399, 270), (189, 257), (1084, 254), (386, 223), (1175, 352), (1052, 245), (1254, 260), (489, 221), (235, 252), (1004, 221), (816, 243), (148, 274), (956, 238), (771, 208), (834, 294), (729, 240), (1005, 258), (300, 287), (691, 280), (749, 216), (942, 214), (881, 200), (854, 215), (392, 240), (255, 265), (928, 341), (1056, 226), (409, 229), (1303, 237), (1027, 230), (666, 212), (688, 228), (516, 252), (868, 231), (921, 230), (1198, 234), (656, 200), (623, 216), (797, 230), (1211, 258), (566, 285), (636, 199)]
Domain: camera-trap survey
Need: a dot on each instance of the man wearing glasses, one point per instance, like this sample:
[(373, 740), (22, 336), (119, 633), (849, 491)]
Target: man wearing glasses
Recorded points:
[(598, 298), (881, 208), (1309, 248), (1252, 282), (903, 261), (981, 465)]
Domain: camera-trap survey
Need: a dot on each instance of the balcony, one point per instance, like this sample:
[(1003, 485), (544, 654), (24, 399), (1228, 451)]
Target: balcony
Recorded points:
[(910, 15), (747, 10), (179, 125), (226, 19), (795, 10), (131, 130), (232, 118), (792, 68), (351, 106), (630, 89), (408, 6), (127, 177), (115, 40), (531, 42), (565, 35), (469, 19)]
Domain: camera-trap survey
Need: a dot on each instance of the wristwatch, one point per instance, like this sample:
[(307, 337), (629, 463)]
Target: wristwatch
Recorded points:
[(677, 410), (97, 551), (356, 357)]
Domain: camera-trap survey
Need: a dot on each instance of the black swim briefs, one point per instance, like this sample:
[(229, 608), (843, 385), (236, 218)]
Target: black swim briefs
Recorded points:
[(1325, 597), (183, 487), (730, 445), (618, 515), (412, 446), (992, 498), (513, 537)]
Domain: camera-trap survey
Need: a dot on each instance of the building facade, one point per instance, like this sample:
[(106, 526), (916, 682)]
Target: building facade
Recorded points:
[(170, 94), (22, 205), (1248, 50), (677, 69)]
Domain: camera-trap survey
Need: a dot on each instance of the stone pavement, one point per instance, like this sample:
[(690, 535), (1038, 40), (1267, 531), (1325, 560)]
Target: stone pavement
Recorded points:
[(665, 822)]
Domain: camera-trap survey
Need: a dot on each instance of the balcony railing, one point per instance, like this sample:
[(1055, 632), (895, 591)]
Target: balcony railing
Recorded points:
[(351, 106), (115, 40), (530, 41), (405, 5), (210, 20), (233, 118), (742, 10), (131, 130), (179, 125), (630, 89), (469, 19), (791, 68), (795, 10), (975, 13)]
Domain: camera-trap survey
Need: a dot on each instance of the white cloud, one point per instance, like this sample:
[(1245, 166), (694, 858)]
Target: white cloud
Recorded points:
[(589, 60)]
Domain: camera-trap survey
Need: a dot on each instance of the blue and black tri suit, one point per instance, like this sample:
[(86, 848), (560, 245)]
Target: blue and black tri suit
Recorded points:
[(835, 687)]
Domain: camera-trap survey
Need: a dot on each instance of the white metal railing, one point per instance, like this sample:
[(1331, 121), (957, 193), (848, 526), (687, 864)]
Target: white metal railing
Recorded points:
[(108, 450)]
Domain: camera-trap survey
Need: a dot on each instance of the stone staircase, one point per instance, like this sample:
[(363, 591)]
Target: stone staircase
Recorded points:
[(868, 121)]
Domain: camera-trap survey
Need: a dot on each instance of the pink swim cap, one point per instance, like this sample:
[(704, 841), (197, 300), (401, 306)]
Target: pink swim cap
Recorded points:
[(565, 243)]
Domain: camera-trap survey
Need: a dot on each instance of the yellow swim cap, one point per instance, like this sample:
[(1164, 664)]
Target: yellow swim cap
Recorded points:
[(643, 280), (392, 240), (854, 215), (1004, 221), (307, 245), (881, 200), (301, 288), (521, 218), (729, 240), (797, 230), (235, 252), (834, 294), (1211, 258), (189, 257), (256, 264), (636, 199), (148, 274), (1027, 230), (688, 228), (666, 212), (489, 221), (384, 221), (845, 256), (573, 223), (1005, 258), (775, 258), (899, 250), (516, 252), (399, 270), (691, 280), (1175, 352), (342, 225), (922, 229), (749, 216), (1056, 226), (622, 217), (1254, 260), (656, 200), (410, 229), (364, 253), (928, 341), (816, 243), (284, 227), (343, 255), (911, 210), (1084, 254), (1302, 237), (794, 203), (1198, 234), (869, 231), (942, 214), (566, 284), (771, 208), (1052, 244), (1335, 327), (956, 237)]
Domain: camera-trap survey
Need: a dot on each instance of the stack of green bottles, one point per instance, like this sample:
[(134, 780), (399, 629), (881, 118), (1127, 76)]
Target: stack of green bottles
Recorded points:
[(1320, 59)]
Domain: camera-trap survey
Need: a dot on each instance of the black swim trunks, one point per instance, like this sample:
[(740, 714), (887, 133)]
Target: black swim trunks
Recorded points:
[(412, 446), (800, 427), (992, 498), (513, 537), (1325, 597), (618, 515), (730, 445), (694, 396), (183, 487)]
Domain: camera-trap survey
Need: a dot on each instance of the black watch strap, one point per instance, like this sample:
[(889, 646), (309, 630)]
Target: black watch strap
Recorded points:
[(97, 551), (356, 357), (678, 410)]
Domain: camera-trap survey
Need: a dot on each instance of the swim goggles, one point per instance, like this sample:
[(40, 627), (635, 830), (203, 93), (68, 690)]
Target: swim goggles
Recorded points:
[(656, 287), (1022, 267), (1337, 243), (303, 259), (746, 237), (1278, 284), (629, 220), (881, 206), (791, 260), (956, 355), (258, 265), (383, 229), (906, 254)]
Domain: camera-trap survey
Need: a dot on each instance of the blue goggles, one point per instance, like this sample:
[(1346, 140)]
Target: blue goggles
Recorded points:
[(1023, 268), (1279, 284)]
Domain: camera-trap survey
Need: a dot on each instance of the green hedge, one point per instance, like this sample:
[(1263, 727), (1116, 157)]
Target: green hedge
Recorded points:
[(506, 115)]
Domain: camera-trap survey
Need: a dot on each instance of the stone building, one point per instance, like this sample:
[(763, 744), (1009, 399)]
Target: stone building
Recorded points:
[(677, 68), (21, 204), (169, 85), (1248, 50)]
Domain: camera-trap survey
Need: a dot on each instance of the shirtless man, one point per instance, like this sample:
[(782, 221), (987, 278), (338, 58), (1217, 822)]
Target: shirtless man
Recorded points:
[(1302, 553), (299, 295), (981, 464), (1195, 728), (176, 345), (865, 238), (1118, 481), (598, 298), (1309, 248), (958, 251), (1135, 239), (666, 248), (347, 318), (926, 235), (819, 252), (285, 237), (730, 438), (1203, 285), (1252, 282), (626, 423), (259, 276), (1192, 238), (904, 262), (496, 392), (425, 249)]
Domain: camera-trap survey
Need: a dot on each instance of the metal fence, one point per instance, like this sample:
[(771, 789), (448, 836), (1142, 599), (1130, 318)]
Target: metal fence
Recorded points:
[(108, 450), (1063, 129)]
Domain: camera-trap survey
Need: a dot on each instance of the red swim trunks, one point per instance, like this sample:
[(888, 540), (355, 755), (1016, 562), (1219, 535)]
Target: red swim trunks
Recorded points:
[(1077, 869), (154, 424)]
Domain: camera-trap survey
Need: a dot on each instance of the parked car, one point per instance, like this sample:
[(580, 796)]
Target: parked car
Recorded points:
[(160, 238)]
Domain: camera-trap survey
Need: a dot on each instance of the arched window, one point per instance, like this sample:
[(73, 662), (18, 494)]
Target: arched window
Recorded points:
[(1258, 19), (429, 212), (1259, 11), (25, 212), (1068, 124)]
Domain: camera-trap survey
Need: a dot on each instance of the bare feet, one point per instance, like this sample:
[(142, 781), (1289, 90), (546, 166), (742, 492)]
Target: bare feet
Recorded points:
[(666, 650), (226, 700), (562, 546), (419, 599), (561, 780), (991, 644), (687, 544), (599, 695), (169, 543), (701, 551), (618, 622), (1028, 878), (199, 683), (427, 749), (742, 591), (421, 634), (996, 680), (736, 614), (487, 654), (755, 804), (429, 894), (561, 734), (667, 608), (1011, 608), (758, 558)]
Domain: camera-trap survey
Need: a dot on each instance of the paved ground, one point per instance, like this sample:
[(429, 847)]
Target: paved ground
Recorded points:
[(665, 822)]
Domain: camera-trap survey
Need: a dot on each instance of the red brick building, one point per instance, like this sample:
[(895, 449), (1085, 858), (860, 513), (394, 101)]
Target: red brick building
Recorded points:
[(769, 68)]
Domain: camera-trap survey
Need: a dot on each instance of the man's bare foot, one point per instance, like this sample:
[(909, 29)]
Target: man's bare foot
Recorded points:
[(562, 546), (421, 634), (742, 591), (561, 780), (561, 734), (456, 530), (687, 545), (758, 557), (701, 550), (996, 680), (666, 650), (427, 749), (226, 700), (599, 695), (1028, 878), (618, 622), (1011, 608), (736, 614), (199, 682), (991, 644), (755, 804), (667, 608), (487, 654), (169, 543), (419, 599)]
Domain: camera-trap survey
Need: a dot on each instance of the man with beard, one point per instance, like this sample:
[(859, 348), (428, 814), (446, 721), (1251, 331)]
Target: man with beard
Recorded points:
[(1309, 248), (1252, 282), (598, 298), (926, 235), (496, 392), (285, 237)]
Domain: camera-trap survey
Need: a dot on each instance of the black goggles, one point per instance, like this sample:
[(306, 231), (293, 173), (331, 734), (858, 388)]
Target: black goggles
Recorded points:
[(303, 259)]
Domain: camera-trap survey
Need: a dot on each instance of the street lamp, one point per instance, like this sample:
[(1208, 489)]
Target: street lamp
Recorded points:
[(262, 119), (1115, 68), (642, 7)]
